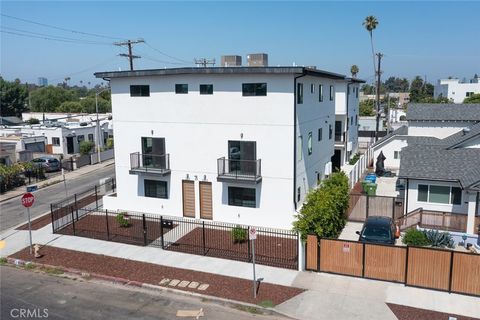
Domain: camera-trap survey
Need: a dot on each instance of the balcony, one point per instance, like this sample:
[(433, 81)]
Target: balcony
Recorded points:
[(233, 170), (340, 137), (149, 163)]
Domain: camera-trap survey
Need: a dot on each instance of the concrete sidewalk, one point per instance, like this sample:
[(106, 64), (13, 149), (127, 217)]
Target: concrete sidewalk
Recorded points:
[(327, 296), (56, 179)]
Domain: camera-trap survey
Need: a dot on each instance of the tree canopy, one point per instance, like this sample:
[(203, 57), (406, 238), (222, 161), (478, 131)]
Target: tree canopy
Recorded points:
[(13, 98)]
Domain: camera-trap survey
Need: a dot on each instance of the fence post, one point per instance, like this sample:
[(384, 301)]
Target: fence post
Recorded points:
[(73, 222), (96, 197), (451, 273), (319, 242), (367, 206), (203, 236), (363, 260), (161, 232), (71, 163), (106, 219), (76, 205), (248, 240), (144, 230), (53, 219), (406, 267), (393, 208)]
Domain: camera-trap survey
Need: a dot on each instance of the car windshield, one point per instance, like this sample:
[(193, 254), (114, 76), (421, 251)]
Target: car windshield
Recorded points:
[(376, 232), (38, 160)]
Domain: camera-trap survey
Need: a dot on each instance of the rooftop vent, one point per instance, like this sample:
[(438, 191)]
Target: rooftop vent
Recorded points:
[(231, 61), (466, 131), (257, 60)]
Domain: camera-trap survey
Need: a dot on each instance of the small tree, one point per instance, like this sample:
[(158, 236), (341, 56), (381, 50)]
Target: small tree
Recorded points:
[(33, 121), (109, 143), (86, 147), (354, 70), (323, 213)]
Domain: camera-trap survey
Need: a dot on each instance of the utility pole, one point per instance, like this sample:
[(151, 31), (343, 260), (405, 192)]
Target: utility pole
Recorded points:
[(130, 54), (204, 62), (379, 55)]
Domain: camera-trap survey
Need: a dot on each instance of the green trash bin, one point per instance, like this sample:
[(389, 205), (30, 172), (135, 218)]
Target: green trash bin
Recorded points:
[(371, 189), (364, 185)]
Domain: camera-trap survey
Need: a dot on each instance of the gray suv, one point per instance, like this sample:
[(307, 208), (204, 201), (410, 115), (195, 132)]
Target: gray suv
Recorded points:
[(49, 164)]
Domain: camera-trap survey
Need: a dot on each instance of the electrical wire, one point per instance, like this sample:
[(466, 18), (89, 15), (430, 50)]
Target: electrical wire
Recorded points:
[(27, 32), (167, 55), (48, 38)]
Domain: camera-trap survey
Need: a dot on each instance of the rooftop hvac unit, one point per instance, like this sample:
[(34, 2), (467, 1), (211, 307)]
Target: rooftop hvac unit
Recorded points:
[(231, 61), (257, 60)]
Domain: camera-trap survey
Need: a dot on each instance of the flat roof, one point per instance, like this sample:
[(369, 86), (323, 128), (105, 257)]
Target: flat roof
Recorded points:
[(225, 70)]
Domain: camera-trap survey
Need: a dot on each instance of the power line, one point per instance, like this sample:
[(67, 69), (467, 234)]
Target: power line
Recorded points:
[(60, 28), (27, 32), (45, 38), (130, 54), (167, 55)]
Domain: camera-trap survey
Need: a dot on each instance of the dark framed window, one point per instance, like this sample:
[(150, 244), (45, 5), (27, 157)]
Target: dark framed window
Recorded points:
[(332, 93), (139, 91), (439, 194), (320, 93), (90, 137), (356, 119), (456, 196), (206, 89), (181, 88), (309, 144), (351, 120), (330, 132), (299, 194), (155, 189), (55, 141), (356, 92), (254, 89), (80, 138), (299, 93), (422, 193), (242, 197), (320, 134), (396, 154), (312, 88)]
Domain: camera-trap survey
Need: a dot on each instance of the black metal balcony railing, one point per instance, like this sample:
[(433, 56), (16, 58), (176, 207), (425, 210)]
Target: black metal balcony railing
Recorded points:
[(239, 170), (151, 163), (340, 137)]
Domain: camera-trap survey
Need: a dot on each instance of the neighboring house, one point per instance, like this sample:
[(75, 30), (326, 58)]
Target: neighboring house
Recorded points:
[(391, 146), (440, 120), (234, 144), (54, 138), (397, 115), (455, 90), (366, 131), (444, 175), (346, 122)]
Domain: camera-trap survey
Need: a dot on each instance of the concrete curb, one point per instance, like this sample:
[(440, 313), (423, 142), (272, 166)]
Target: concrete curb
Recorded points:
[(132, 283)]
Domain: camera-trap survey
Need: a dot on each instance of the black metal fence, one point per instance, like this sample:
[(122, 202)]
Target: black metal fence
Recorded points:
[(274, 247)]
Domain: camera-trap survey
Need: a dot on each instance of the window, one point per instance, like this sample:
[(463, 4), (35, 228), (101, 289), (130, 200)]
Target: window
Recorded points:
[(90, 137), (356, 119), (439, 194), (320, 134), (299, 93), (312, 88), (80, 138), (356, 92), (330, 132), (206, 89), (468, 94), (348, 121), (320, 93), (319, 178), (139, 91), (351, 120), (181, 88), (299, 194), (299, 148), (396, 154), (155, 189), (242, 197), (332, 93), (309, 143), (55, 141), (254, 89)]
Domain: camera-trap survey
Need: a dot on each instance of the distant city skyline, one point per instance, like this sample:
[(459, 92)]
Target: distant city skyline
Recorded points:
[(57, 40)]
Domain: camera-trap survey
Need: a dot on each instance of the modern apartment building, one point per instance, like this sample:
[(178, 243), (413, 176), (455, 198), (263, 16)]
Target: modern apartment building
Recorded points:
[(455, 90), (233, 144)]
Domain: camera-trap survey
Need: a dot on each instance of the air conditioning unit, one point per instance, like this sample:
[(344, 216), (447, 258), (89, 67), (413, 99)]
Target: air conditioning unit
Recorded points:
[(257, 60), (231, 61)]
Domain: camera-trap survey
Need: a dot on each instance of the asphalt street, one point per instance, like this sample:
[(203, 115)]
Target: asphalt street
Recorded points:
[(52, 297), (13, 213)]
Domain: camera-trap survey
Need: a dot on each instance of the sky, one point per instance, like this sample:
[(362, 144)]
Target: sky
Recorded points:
[(432, 39)]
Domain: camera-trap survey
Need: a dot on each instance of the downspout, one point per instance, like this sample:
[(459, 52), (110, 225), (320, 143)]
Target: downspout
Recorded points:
[(406, 198), (346, 132), (295, 137)]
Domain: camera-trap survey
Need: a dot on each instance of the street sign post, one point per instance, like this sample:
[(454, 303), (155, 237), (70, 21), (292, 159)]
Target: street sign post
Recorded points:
[(27, 201), (252, 233)]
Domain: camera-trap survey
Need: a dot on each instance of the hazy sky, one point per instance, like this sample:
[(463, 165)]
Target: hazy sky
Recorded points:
[(433, 39)]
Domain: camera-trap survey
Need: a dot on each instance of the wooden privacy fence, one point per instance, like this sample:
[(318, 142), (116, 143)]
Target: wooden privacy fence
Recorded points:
[(362, 206), (439, 269)]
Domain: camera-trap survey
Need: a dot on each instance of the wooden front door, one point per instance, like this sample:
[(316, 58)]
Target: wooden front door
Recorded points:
[(206, 208), (188, 191)]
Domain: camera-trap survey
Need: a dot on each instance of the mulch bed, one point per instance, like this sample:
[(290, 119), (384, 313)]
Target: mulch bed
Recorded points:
[(95, 226), (410, 313), (59, 213), (219, 286), (278, 251)]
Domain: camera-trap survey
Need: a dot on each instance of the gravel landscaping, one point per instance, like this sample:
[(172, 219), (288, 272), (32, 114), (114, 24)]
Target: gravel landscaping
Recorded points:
[(410, 313), (219, 286)]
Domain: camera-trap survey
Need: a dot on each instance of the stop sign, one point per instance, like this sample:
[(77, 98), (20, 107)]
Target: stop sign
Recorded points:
[(27, 200)]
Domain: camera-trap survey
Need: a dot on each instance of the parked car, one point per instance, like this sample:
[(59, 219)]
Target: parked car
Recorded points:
[(378, 230), (49, 164)]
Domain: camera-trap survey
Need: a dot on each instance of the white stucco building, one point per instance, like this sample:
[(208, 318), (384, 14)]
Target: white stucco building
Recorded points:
[(455, 90), (233, 144)]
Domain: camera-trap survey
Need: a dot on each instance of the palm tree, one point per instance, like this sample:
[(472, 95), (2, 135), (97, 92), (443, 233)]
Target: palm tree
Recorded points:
[(354, 70), (370, 23)]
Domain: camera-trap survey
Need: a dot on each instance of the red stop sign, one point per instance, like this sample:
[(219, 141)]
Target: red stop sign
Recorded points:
[(27, 200)]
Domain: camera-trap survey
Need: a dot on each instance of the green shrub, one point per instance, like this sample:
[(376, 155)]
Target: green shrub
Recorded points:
[(123, 219), (323, 212), (33, 121), (109, 143), (414, 237), (86, 147), (439, 239), (354, 159), (239, 234)]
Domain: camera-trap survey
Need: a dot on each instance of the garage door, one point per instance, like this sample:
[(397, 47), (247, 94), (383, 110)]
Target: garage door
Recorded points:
[(35, 146)]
